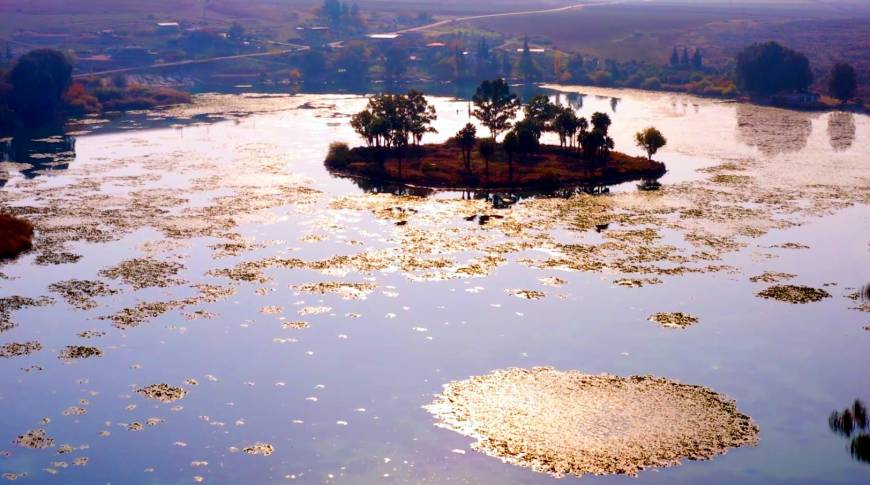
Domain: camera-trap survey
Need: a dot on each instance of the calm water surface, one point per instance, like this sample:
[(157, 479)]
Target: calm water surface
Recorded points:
[(341, 401)]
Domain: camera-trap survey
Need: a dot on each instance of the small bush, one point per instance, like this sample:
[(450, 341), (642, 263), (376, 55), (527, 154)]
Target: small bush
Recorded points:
[(16, 236), (339, 154), (651, 83)]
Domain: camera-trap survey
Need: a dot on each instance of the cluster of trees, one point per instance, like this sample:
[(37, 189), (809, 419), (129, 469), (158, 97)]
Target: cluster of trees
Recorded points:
[(38, 89), (32, 91), (395, 120), (770, 68), (684, 61), (342, 16), (496, 108)]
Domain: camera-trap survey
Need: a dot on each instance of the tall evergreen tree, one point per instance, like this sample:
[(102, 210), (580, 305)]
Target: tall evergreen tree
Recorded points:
[(675, 58), (697, 60), (528, 69)]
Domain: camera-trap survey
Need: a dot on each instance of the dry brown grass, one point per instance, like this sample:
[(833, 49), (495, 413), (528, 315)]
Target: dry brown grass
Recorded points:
[(16, 236)]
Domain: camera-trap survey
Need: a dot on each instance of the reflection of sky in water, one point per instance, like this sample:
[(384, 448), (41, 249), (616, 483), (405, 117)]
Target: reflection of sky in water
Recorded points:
[(786, 365)]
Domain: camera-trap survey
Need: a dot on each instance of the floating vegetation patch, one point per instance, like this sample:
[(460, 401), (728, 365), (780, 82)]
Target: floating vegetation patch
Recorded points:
[(772, 277), (271, 310), (81, 293), (74, 411), (731, 179), (525, 294), (162, 392), (264, 449), (18, 349), (142, 312), (347, 291), (552, 281), (89, 334), (35, 439), (72, 352), (790, 245), (637, 283), (569, 423), (794, 294), (214, 293), (314, 310), (295, 325), (673, 320), (11, 304), (145, 272)]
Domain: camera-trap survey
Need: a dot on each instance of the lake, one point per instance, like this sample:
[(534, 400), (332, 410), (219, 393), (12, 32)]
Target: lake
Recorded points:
[(309, 319)]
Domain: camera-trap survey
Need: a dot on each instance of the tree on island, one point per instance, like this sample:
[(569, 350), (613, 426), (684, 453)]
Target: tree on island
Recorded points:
[(650, 139), (495, 106), (843, 82), (466, 138), (596, 144), (486, 148), (566, 125), (511, 146), (765, 69), (39, 80), (528, 133), (542, 112), (395, 120)]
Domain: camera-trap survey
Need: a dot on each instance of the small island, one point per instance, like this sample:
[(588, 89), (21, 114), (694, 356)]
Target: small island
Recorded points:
[(393, 125), (16, 236)]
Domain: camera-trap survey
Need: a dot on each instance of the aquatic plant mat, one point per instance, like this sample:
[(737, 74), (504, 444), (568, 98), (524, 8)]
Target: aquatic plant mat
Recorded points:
[(569, 423)]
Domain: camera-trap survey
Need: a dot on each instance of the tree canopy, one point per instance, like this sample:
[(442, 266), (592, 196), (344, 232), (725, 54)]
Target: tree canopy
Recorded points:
[(395, 120), (650, 139), (495, 106), (466, 138), (596, 144), (843, 82), (39, 79), (765, 69)]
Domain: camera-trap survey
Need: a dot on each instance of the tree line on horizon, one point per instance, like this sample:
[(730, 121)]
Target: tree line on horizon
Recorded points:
[(37, 87)]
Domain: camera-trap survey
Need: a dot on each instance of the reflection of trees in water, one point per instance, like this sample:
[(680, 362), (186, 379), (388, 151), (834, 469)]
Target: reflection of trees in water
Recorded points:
[(853, 421), (44, 150), (614, 102), (841, 130), (569, 100), (499, 199), (773, 131)]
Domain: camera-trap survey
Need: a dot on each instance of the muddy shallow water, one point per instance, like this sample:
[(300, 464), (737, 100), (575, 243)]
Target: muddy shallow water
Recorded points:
[(205, 303)]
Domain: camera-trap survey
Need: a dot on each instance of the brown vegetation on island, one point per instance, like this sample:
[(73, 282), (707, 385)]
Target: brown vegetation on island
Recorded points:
[(16, 236), (442, 166)]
